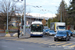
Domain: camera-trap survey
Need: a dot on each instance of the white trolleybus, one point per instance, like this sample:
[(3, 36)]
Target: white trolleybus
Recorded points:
[(36, 29)]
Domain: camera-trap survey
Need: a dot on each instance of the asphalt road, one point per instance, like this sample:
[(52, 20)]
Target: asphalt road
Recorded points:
[(17, 45), (35, 43)]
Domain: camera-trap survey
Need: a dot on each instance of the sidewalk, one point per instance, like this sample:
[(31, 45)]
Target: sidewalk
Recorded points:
[(27, 36), (3, 35)]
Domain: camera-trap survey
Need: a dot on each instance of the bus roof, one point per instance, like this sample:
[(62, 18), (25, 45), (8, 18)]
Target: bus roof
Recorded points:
[(36, 22)]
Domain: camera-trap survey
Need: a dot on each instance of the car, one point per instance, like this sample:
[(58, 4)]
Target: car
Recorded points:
[(43, 31), (73, 34), (51, 32), (69, 32), (62, 35), (10, 25), (46, 31)]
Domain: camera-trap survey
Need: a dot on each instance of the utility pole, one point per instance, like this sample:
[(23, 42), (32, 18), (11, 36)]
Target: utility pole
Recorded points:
[(7, 18), (24, 27), (61, 17)]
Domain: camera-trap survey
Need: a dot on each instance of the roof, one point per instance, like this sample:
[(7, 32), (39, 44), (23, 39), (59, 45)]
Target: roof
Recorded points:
[(36, 22)]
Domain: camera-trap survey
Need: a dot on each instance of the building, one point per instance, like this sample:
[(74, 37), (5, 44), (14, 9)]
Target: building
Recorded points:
[(29, 19)]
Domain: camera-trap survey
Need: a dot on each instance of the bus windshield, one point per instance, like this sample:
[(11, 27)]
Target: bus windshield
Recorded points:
[(36, 28), (62, 27)]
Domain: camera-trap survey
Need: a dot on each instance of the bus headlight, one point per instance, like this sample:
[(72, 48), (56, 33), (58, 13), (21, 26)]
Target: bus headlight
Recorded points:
[(31, 32)]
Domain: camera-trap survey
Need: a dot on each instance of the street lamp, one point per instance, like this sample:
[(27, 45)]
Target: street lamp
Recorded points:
[(24, 17), (61, 17), (7, 17)]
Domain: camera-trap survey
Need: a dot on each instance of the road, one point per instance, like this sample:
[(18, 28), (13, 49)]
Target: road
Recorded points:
[(15, 45), (35, 43)]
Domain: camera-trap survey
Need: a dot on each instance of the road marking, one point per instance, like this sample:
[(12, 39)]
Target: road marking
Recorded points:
[(67, 44), (72, 46), (43, 41), (27, 40), (54, 43), (61, 43), (47, 42), (37, 41)]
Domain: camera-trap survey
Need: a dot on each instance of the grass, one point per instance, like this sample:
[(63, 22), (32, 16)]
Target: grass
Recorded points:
[(12, 27)]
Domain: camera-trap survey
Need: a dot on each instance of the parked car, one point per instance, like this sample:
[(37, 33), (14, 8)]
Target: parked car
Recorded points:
[(10, 25), (62, 35), (51, 32), (73, 34), (45, 31), (69, 32)]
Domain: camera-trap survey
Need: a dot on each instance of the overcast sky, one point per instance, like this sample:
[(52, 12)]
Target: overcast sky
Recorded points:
[(50, 6)]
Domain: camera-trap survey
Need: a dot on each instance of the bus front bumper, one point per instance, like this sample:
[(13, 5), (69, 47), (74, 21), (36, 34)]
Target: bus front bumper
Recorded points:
[(36, 35)]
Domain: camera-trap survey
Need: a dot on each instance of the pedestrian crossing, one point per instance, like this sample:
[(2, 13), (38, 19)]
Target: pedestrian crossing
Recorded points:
[(48, 42)]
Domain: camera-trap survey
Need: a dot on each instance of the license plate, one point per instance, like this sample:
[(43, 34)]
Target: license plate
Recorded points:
[(59, 38)]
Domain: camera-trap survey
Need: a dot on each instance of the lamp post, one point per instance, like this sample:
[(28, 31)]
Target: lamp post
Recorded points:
[(61, 17), (24, 17), (7, 18)]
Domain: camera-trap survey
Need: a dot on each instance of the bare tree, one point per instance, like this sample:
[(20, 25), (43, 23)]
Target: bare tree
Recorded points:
[(3, 7), (3, 10)]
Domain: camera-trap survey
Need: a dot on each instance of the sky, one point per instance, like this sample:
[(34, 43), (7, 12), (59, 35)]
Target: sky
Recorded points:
[(47, 8)]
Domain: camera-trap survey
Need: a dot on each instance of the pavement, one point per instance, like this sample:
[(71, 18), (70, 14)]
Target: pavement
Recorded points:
[(3, 34), (35, 43), (15, 45), (11, 34)]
